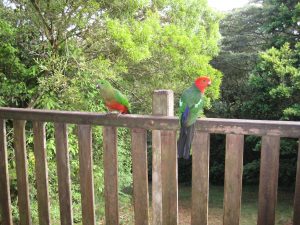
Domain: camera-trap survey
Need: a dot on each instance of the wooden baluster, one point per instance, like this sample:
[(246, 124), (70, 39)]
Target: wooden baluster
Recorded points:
[(169, 177), (164, 166), (5, 203), (156, 178), (86, 174), (111, 175), (140, 176), (41, 171), (22, 173), (296, 218), (63, 174), (233, 179), (268, 180), (200, 178)]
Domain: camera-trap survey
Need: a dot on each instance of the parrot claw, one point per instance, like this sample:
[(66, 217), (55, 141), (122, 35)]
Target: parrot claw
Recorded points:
[(114, 113)]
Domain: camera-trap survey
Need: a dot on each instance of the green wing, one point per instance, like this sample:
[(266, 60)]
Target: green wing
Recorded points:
[(122, 99), (190, 105)]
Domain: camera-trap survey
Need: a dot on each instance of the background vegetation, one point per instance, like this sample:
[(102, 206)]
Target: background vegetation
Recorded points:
[(53, 52)]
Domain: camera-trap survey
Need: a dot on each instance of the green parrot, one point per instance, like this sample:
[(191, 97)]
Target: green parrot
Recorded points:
[(113, 99), (190, 105)]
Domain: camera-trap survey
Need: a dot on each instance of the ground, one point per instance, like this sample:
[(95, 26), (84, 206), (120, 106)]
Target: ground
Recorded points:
[(284, 208)]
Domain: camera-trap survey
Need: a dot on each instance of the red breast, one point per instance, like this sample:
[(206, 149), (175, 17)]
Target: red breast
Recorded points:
[(115, 106)]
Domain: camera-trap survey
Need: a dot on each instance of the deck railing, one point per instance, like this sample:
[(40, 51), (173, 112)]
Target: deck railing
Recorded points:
[(164, 170)]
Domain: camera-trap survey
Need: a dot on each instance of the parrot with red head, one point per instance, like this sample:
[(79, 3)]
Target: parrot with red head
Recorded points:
[(113, 99), (190, 105)]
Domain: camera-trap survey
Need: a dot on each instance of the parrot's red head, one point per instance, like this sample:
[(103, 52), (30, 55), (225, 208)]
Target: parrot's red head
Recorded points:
[(202, 83)]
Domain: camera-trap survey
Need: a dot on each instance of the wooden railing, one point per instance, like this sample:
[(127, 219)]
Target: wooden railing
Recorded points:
[(164, 172)]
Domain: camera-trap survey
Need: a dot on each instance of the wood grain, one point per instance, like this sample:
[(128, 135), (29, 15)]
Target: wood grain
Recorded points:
[(200, 178), (140, 176), (169, 177), (268, 180), (156, 178), (22, 172), (63, 174), (233, 179), (41, 171), (163, 104), (86, 174), (5, 203), (209, 125), (296, 218), (111, 175)]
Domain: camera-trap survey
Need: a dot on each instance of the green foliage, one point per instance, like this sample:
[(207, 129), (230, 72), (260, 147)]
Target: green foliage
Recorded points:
[(260, 62), (282, 21), (242, 38), (276, 79), (53, 52)]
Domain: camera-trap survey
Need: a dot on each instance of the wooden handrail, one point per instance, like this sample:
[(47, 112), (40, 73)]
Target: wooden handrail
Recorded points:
[(164, 164), (210, 125)]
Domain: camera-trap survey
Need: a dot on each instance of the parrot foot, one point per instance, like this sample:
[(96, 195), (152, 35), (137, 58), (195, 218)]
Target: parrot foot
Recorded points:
[(114, 113)]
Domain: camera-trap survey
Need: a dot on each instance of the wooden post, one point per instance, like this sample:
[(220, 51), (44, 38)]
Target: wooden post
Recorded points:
[(22, 172), (41, 171), (140, 175), (63, 174), (156, 178), (5, 203), (200, 178), (110, 158), (268, 180), (163, 105), (86, 174), (296, 218), (233, 179)]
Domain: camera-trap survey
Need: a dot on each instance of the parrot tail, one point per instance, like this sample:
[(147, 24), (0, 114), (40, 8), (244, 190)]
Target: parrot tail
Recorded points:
[(185, 141)]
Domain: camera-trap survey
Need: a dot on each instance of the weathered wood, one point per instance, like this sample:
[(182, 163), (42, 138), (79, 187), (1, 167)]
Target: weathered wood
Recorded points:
[(156, 178), (5, 203), (209, 125), (22, 173), (268, 180), (86, 174), (110, 175), (296, 218), (41, 170), (63, 174), (233, 179), (169, 177), (200, 178), (163, 105), (140, 176)]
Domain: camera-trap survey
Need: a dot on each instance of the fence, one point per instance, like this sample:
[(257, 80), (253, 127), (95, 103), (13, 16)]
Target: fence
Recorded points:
[(164, 172)]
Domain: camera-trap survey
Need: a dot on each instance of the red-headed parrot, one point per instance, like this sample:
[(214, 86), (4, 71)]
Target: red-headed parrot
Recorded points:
[(113, 99), (190, 105)]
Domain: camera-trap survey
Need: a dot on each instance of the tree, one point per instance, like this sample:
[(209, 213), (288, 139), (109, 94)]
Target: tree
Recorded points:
[(134, 44), (282, 21), (61, 48), (259, 82), (277, 82), (242, 39)]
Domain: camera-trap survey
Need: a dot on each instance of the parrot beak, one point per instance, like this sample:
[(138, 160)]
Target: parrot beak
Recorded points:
[(209, 83)]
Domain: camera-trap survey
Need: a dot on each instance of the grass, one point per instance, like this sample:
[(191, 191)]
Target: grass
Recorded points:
[(249, 205), (284, 208)]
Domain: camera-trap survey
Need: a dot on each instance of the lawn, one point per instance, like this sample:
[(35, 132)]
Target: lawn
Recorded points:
[(284, 209), (249, 205)]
